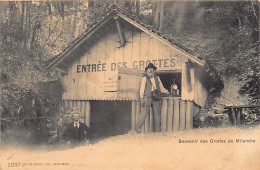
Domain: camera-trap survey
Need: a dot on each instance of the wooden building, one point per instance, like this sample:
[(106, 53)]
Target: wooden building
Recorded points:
[(102, 69)]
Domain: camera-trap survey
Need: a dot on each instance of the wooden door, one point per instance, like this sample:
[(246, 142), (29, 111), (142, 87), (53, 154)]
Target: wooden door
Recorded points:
[(129, 81)]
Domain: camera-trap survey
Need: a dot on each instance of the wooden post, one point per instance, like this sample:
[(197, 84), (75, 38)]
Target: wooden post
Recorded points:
[(84, 110), (170, 114), (0, 124), (70, 104), (66, 103), (146, 124), (143, 130), (242, 116), (189, 115), (122, 40), (81, 107), (0, 109), (61, 81), (234, 116), (176, 115), (137, 113), (238, 116), (76, 104), (182, 114), (133, 116), (87, 114), (151, 120), (164, 115)]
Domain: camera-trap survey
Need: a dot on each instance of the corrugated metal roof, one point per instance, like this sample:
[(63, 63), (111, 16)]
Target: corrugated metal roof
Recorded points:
[(95, 98)]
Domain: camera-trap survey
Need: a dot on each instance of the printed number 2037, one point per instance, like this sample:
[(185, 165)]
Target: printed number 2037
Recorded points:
[(13, 164)]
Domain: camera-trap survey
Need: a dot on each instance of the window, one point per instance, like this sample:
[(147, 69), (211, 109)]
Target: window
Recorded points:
[(169, 78)]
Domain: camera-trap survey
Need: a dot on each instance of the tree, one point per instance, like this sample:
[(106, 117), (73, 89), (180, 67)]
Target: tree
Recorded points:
[(158, 15)]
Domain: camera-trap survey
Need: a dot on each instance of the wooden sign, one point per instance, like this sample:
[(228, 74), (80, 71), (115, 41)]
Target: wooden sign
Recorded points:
[(110, 85), (96, 71)]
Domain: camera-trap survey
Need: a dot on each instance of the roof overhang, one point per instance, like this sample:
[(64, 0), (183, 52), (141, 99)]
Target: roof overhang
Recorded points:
[(114, 14), (79, 41)]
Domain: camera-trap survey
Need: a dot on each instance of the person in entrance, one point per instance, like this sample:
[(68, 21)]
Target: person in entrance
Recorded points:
[(150, 90), (76, 133)]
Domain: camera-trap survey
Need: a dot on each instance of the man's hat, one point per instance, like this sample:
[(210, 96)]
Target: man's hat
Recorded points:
[(150, 65)]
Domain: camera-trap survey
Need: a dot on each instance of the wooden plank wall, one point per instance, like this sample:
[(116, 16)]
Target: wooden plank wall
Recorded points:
[(139, 50), (176, 115)]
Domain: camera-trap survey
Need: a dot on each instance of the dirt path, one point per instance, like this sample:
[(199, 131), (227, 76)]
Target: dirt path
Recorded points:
[(151, 151)]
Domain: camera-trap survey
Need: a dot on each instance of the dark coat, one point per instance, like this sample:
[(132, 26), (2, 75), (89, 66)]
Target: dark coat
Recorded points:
[(76, 135)]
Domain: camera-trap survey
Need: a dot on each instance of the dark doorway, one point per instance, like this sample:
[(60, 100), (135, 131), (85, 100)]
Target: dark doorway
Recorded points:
[(109, 118), (170, 78)]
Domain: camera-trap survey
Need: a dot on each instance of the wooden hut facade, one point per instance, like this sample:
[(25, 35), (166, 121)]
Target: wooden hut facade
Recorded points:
[(101, 73)]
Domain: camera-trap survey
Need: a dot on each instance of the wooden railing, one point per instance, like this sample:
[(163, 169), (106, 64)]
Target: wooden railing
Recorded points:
[(235, 113), (175, 115)]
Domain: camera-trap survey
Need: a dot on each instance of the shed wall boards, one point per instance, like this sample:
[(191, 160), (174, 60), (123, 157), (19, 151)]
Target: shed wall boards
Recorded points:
[(94, 75)]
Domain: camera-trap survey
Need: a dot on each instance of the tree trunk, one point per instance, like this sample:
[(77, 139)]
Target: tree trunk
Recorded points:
[(161, 26), (11, 7), (78, 24), (157, 15), (49, 15), (137, 7), (49, 8), (22, 22), (127, 5), (153, 10), (33, 35), (27, 29), (60, 6), (73, 25)]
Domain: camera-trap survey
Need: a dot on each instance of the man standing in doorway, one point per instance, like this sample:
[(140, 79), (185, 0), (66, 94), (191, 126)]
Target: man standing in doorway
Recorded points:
[(149, 84), (76, 133)]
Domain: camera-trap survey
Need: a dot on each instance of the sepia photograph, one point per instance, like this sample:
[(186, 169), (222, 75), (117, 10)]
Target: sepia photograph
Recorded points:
[(129, 85)]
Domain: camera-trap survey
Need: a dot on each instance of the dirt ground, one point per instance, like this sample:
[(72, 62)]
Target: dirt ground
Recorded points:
[(149, 151)]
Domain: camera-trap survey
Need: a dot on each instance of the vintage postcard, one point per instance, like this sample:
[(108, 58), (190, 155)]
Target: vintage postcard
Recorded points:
[(129, 84)]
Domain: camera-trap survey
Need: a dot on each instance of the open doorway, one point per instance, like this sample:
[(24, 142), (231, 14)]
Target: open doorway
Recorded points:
[(109, 118), (169, 78)]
